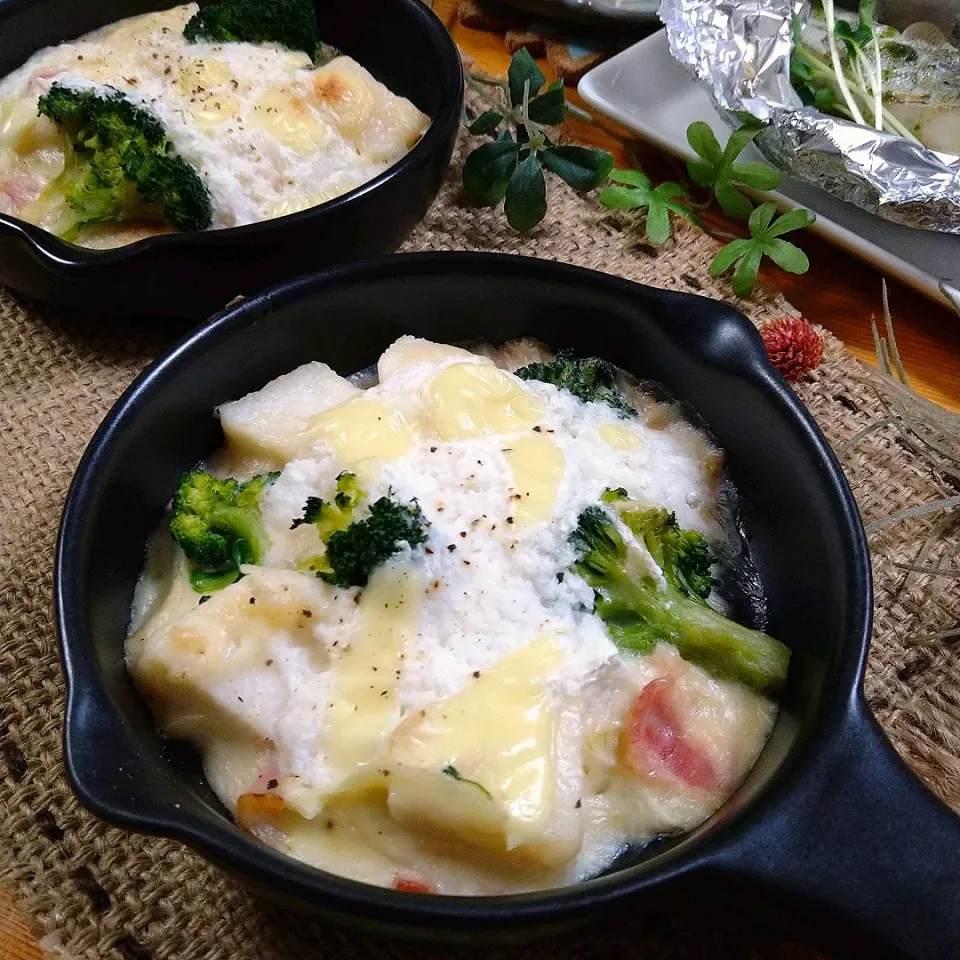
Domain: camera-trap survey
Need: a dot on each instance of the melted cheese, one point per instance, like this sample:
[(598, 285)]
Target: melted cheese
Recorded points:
[(362, 706), (361, 428), (201, 76), (507, 752), (282, 208), (537, 465), (365, 112), (618, 437), (472, 399), (288, 118)]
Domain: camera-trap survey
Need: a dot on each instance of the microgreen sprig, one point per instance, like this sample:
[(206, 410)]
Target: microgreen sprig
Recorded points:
[(638, 192), (510, 168), (849, 79), (720, 170), (764, 241)]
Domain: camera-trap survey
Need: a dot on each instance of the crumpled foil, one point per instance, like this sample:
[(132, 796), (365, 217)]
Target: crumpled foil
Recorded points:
[(740, 50)]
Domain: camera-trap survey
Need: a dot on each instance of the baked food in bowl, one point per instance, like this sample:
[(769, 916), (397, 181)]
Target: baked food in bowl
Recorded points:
[(464, 628), (825, 763), (159, 163)]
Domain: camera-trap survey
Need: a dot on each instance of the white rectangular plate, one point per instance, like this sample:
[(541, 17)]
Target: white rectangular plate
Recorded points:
[(646, 90)]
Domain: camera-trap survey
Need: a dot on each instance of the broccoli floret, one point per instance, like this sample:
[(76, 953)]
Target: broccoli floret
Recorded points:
[(331, 516), (682, 555), (588, 379), (639, 613), (218, 526), (291, 23), (354, 553), (118, 165)]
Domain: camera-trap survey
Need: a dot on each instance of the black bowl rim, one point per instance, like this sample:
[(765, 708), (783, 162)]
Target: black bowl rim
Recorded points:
[(738, 346), (68, 255)]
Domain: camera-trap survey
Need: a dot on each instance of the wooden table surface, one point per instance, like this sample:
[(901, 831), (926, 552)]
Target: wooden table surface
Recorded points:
[(839, 292)]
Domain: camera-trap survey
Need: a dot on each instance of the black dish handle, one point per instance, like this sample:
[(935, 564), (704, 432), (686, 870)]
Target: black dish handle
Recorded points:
[(862, 849)]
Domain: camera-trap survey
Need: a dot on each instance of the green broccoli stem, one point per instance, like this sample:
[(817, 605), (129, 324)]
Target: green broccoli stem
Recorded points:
[(211, 582), (638, 614)]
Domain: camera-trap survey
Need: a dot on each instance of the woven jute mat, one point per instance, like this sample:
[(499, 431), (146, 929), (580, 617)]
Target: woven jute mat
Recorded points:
[(95, 891)]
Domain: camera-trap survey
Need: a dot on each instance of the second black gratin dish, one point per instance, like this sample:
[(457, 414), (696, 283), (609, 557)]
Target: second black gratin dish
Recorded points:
[(186, 277)]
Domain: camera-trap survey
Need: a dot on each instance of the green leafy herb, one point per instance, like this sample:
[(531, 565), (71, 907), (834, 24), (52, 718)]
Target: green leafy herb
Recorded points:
[(588, 378), (451, 771), (510, 169), (720, 169), (764, 241), (638, 192), (848, 80)]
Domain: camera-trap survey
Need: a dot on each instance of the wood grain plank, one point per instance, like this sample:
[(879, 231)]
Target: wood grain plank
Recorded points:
[(16, 940)]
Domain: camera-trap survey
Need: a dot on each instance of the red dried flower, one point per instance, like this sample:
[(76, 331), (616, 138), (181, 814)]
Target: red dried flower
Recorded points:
[(793, 346)]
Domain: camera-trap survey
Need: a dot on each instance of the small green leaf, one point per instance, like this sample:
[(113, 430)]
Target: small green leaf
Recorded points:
[(704, 142), (824, 100), (700, 173), (658, 224), (669, 190), (761, 217), (581, 167), (486, 123), (757, 176), (786, 255), (621, 198), (792, 220), (739, 140), (526, 196), (549, 108), (799, 68), (732, 201), (727, 256), (745, 276), (633, 177), (523, 68), (488, 170), (659, 202)]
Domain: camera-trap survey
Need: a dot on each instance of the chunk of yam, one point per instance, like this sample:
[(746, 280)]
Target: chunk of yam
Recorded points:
[(272, 424), (408, 352)]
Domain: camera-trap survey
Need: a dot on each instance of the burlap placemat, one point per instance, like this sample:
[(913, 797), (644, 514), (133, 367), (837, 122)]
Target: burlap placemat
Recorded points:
[(94, 891)]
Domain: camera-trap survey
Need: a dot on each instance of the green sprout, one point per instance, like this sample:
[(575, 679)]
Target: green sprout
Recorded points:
[(764, 241), (638, 192), (720, 170)]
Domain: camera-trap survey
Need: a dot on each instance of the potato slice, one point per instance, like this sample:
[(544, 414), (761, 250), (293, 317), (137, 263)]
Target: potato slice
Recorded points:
[(211, 671), (408, 352), (271, 424), (504, 778)]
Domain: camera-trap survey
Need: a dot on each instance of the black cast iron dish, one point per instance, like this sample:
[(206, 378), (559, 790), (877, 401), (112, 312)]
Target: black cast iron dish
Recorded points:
[(829, 816), (189, 276)]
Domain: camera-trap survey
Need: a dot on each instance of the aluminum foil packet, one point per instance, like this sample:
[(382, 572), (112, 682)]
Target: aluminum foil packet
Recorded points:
[(740, 51)]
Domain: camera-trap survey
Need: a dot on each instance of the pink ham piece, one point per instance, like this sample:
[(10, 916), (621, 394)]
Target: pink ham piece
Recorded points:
[(655, 744), (19, 190)]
